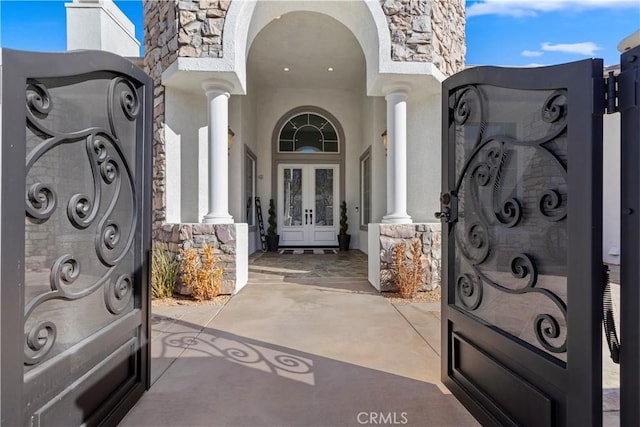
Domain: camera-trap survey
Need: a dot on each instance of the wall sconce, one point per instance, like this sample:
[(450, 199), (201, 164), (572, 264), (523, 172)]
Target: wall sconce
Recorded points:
[(384, 141), (230, 140)]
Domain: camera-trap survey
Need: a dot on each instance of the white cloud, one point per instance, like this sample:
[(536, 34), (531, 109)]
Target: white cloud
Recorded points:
[(520, 8), (531, 53), (586, 48)]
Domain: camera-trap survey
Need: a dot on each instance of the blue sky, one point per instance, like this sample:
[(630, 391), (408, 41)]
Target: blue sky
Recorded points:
[(499, 32)]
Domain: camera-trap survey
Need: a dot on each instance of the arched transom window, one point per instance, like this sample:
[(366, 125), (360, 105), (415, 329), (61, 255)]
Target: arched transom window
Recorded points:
[(308, 133)]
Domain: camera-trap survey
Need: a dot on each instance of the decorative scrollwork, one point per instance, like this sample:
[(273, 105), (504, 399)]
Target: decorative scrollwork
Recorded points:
[(113, 237), (554, 107), (523, 267), (109, 170), (546, 328), (510, 213), (79, 210), (482, 174), (550, 201), (99, 147), (129, 102), (38, 99), (118, 295), (39, 341), (518, 165), (478, 238), (469, 290), (41, 201), (65, 271)]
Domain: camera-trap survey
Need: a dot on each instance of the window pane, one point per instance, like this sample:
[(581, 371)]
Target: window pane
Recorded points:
[(308, 139), (292, 209), (324, 197), (249, 191), (286, 145), (308, 133), (365, 177), (330, 146)]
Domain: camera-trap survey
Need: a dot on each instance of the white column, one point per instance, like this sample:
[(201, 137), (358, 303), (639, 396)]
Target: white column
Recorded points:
[(218, 122), (397, 156)]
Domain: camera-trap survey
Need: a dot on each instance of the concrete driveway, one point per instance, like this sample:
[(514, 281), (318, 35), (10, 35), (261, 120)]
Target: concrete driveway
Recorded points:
[(308, 342)]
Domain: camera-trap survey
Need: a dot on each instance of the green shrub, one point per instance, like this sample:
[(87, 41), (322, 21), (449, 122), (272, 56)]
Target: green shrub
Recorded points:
[(164, 272)]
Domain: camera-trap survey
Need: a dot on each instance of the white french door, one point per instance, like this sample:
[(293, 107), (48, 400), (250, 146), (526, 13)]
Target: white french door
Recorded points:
[(308, 203)]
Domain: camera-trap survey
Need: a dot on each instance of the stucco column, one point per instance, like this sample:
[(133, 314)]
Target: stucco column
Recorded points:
[(397, 156), (218, 122)]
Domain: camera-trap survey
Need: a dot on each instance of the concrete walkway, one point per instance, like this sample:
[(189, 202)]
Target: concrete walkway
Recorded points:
[(308, 342)]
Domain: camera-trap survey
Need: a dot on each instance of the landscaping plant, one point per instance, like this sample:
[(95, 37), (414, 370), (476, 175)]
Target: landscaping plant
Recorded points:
[(200, 273), (408, 273), (164, 272)]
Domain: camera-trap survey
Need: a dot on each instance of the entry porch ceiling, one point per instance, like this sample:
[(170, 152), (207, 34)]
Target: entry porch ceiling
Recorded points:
[(307, 44)]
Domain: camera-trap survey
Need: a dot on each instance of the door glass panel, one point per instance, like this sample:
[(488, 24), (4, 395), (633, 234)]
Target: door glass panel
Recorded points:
[(292, 206), (324, 197), (511, 235)]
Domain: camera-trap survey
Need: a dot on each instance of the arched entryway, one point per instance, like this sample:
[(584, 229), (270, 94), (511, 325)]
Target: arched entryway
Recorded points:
[(306, 75)]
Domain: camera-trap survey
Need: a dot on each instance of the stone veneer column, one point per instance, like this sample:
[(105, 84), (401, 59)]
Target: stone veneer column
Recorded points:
[(218, 122), (397, 156)]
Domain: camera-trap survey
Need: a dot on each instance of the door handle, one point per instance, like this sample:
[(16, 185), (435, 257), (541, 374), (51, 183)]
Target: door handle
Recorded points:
[(448, 208), (306, 214), (311, 216)]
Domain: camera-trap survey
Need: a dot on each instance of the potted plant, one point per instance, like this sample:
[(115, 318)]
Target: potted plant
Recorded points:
[(344, 239), (273, 239)]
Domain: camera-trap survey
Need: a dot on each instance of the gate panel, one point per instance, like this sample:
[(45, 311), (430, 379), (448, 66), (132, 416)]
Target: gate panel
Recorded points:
[(75, 187), (628, 99), (521, 203)]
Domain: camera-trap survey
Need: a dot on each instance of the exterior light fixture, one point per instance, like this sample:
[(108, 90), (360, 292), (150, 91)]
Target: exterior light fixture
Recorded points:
[(330, 69), (286, 69), (384, 141), (231, 134)]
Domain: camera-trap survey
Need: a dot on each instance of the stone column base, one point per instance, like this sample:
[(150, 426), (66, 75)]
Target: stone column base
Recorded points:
[(231, 248), (383, 238)]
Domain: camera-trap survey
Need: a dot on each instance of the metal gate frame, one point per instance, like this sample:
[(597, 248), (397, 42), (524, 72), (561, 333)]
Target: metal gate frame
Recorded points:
[(15, 68), (628, 99), (578, 389)]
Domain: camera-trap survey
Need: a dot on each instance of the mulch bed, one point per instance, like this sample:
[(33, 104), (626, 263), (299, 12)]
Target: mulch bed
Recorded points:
[(428, 296), (220, 300)]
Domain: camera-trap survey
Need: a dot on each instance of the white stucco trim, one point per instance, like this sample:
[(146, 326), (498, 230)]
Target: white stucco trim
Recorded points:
[(242, 255)]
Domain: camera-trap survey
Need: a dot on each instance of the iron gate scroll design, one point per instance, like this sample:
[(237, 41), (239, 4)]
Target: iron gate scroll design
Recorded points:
[(108, 167), (521, 203), (81, 127), (511, 186)]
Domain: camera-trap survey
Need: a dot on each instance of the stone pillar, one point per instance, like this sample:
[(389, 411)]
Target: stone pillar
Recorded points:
[(218, 122), (397, 156)]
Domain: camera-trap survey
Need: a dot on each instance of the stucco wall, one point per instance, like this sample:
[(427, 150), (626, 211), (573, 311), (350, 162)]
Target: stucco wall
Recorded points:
[(611, 193), (100, 25), (424, 148)]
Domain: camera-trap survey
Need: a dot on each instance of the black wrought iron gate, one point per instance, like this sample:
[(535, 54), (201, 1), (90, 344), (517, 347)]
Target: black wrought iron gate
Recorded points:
[(522, 224), (628, 85), (75, 237)]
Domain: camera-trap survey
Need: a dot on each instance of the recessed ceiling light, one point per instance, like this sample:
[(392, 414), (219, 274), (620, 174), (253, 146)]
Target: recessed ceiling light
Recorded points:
[(330, 69), (286, 69)]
